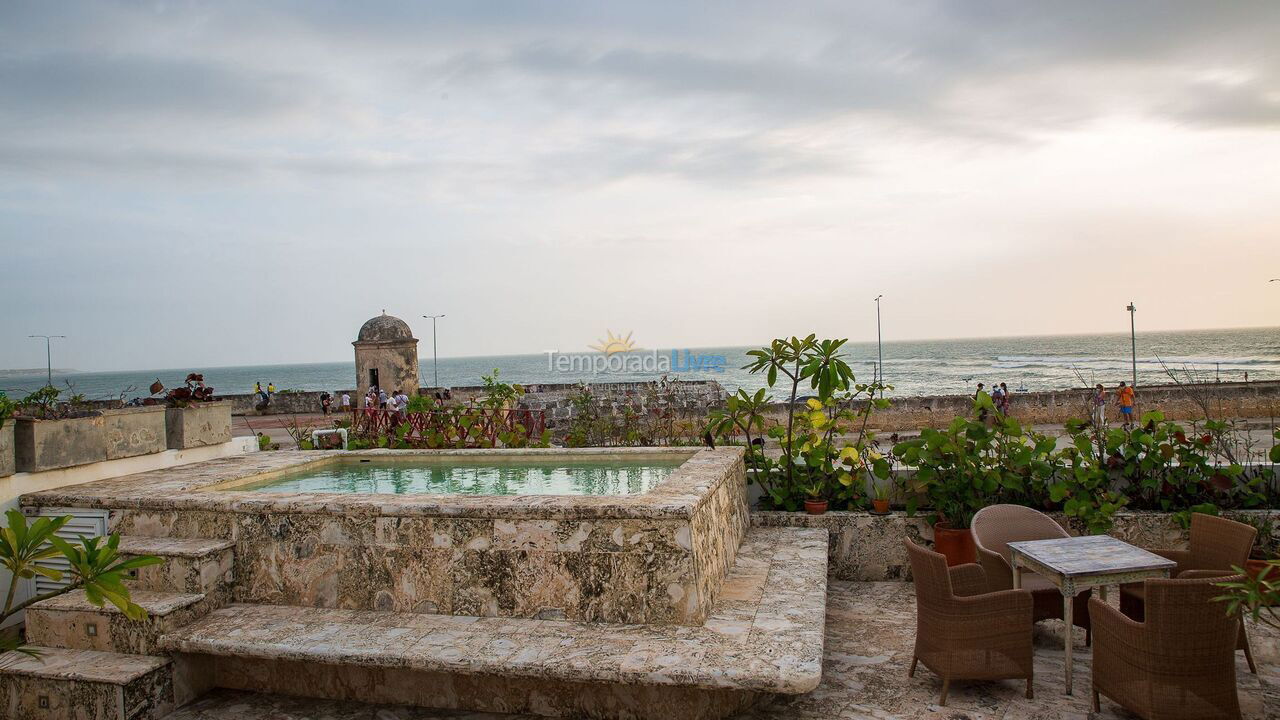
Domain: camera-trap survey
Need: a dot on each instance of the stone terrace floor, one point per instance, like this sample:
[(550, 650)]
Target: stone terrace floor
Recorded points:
[(870, 631)]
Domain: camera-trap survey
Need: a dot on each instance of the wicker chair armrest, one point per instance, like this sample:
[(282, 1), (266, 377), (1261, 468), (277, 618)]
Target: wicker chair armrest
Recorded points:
[(1201, 574), (1114, 632), (1012, 602), (1182, 557), (967, 580), (999, 574)]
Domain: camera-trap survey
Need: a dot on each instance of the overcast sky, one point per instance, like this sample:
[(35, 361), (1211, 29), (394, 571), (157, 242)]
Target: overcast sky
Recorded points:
[(187, 183)]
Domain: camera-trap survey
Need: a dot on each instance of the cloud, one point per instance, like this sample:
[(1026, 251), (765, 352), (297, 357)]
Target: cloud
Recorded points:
[(521, 146), (85, 88)]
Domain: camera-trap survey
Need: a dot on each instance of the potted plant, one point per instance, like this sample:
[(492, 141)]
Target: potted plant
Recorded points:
[(880, 498), (1266, 547), (815, 501), (193, 417), (957, 469), (7, 407)]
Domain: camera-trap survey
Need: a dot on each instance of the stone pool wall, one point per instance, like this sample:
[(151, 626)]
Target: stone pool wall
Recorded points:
[(868, 547), (653, 558)]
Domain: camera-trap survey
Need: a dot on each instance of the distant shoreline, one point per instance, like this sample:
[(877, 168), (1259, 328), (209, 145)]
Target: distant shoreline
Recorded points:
[(27, 372)]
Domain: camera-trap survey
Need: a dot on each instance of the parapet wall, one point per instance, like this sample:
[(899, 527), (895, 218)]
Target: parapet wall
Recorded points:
[(696, 398), (692, 396), (1223, 400)]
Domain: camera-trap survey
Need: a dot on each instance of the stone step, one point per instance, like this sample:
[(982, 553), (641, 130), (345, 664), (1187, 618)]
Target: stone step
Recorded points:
[(86, 685), (764, 636), (71, 621), (222, 704), (191, 565)]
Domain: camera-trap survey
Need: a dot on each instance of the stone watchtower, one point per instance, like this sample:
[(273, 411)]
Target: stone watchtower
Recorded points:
[(386, 356)]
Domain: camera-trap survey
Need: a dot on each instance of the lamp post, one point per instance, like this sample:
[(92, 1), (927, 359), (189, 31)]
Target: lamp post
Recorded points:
[(1133, 341), (48, 355), (879, 344), (435, 366)]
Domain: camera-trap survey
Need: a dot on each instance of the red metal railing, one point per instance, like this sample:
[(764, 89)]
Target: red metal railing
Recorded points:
[(453, 428)]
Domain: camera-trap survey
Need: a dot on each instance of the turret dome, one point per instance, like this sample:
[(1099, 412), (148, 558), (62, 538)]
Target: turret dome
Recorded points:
[(384, 328)]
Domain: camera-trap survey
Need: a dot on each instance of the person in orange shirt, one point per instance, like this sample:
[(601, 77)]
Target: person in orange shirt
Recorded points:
[(1125, 398)]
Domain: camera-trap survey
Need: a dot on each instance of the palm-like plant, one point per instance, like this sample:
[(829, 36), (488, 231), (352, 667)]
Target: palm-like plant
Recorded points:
[(96, 566)]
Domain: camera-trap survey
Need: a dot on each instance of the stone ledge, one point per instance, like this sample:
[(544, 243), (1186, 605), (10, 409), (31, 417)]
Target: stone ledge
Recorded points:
[(172, 547), (765, 634), (84, 666), (157, 604)]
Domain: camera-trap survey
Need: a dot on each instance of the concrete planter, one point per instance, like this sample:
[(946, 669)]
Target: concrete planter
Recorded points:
[(41, 445), (198, 425), (6, 449)]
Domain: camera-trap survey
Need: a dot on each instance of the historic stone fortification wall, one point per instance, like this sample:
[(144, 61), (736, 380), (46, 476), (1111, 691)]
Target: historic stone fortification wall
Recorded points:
[(869, 547), (1227, 400), (685, 397), (695, 398)]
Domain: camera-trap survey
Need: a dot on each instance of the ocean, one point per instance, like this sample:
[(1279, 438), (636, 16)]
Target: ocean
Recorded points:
[(925, 367)]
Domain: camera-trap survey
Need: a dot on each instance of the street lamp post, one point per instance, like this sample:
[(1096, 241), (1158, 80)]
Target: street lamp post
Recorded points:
[(435, 366), (48, 355), (1133, 341), (879, 343)]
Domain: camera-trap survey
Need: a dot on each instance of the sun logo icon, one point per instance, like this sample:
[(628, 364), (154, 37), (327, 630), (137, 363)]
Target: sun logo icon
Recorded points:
[(614, 344)]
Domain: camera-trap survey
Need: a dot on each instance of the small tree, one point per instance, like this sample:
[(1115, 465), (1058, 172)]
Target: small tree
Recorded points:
[(96, 567)]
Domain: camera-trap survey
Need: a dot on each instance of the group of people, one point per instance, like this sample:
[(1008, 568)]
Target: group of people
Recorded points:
[(396, 401), (999, 398), (326, 403), (1126, 399), (264, 396)]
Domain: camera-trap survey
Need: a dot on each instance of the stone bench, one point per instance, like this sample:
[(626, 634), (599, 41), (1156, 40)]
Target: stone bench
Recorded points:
[(764, 636)]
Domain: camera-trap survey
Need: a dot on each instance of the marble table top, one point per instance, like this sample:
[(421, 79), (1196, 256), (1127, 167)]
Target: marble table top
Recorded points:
[(1090, 555)]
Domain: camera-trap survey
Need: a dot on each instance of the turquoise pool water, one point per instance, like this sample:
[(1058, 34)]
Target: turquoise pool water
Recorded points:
[(518, 476)]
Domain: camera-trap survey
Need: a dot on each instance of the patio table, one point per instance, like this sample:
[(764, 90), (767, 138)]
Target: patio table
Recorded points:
[(1076, 564)]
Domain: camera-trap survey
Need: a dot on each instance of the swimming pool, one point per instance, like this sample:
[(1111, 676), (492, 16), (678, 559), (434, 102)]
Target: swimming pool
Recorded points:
[(453, 475)]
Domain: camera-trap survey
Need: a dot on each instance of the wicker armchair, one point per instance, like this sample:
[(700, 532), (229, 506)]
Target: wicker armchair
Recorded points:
[(1178, 663), (994, 527), (964, 632), (1217, 546)]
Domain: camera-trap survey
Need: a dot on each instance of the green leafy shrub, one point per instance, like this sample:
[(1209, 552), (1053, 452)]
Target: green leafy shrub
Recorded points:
[(1157, 465)]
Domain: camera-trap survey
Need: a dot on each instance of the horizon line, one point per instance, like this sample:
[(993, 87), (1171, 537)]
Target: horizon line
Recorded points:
[(673, 347)]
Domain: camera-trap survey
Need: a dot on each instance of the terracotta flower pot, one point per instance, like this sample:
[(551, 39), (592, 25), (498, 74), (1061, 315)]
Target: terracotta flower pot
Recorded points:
[(1253, 567), (956, 545), (881, 506), (815, 507)]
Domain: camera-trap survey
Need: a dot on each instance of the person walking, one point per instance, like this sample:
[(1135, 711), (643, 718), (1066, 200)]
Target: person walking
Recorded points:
[(1099, 401), (382, 398), (1127, 399), (325, 403), (982, 412), (1004, 399), (346, 402), (997, 398)]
